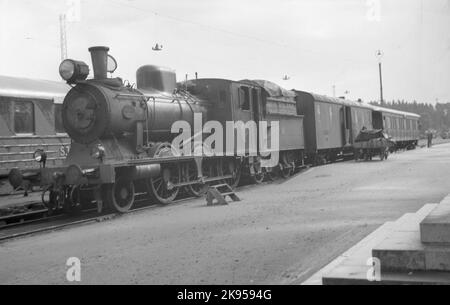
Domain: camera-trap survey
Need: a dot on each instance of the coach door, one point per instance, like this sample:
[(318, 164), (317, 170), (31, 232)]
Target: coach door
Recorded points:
[(343, 128), (256, 110), (348, 125), (377, 120)]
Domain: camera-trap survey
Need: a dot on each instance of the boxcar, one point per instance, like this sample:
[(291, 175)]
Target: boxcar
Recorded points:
[(331, 124), (403, 127), (30, 119)]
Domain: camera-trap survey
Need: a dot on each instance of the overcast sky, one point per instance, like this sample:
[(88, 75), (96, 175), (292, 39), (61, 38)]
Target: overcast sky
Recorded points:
[(317, 43)]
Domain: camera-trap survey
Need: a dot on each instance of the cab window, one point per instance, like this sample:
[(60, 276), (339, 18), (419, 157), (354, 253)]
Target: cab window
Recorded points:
[(244, 98), (23, 117)]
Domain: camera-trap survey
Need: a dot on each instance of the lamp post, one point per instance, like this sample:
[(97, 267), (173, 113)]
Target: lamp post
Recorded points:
[(380, 55)]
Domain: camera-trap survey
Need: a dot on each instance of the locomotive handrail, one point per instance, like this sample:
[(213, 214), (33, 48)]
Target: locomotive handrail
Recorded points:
[(166, 99), (130, 95)]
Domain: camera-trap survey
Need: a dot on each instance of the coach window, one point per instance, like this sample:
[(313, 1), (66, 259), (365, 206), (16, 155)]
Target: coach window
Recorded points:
[(24, 117), (244, 98), (59, 128)]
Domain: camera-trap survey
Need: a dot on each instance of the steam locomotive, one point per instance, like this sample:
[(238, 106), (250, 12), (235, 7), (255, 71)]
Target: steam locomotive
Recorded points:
[(122, 136)]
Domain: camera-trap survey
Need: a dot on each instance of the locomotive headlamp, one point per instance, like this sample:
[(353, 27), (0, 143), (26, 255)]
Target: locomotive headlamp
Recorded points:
[(40, 156), (72, 70), (98, 152)]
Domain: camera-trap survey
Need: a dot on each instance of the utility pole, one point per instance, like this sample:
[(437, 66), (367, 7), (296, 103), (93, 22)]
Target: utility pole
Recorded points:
[(334, 91), (380, 56), (63, 36)]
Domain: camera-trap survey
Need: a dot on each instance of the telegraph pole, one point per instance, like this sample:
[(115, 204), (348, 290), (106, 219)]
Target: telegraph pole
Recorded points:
[(63, 36), (380, 56)]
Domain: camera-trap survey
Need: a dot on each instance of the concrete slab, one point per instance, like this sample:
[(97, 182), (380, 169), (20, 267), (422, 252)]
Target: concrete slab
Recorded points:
[(411, 222), (357, 275), (401, 251), (359, 254), (404, 251), (435, 228), (351, 267)]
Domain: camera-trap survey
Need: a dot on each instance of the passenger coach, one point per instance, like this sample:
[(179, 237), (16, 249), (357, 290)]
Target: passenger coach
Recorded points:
[(402, 126), (30, 121)]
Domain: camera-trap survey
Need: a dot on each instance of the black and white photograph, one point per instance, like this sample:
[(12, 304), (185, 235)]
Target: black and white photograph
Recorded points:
[(227, 151)]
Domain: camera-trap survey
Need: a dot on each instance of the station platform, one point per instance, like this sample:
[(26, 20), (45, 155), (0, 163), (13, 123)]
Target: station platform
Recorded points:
[(415, 249)]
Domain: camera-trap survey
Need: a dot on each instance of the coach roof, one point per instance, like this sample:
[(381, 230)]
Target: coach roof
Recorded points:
[(332, 100), (397, 112), (32, 88)]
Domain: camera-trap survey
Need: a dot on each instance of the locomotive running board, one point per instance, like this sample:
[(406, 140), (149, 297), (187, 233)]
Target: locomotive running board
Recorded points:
[(216, 195)]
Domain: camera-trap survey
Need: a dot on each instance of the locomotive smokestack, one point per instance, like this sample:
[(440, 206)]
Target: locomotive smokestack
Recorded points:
[(99, 57)]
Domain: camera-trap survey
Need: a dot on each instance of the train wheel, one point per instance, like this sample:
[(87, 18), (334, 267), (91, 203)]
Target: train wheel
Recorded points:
[(120, 195), (196, 190), (72, 204), (356, 155), (258, 178), (233, 168), (271, 174), (50, 199), (366, 156), (285, 171), (160, 188), (259, 175)]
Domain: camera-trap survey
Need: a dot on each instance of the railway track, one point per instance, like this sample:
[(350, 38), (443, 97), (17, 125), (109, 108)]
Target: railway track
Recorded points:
[(62, 221)]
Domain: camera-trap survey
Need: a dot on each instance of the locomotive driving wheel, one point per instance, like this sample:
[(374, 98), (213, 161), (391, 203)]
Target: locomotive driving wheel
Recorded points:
[(191, 173), (232, 167), (120, 195), (161, 188)]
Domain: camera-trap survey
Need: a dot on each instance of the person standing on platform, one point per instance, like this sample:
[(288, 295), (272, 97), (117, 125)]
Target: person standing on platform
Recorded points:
[(430, 139)]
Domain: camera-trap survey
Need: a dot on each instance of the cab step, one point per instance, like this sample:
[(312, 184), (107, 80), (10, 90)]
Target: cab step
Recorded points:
[(217, 194)]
